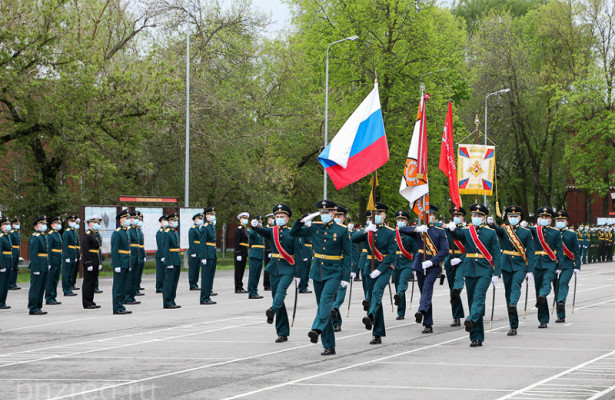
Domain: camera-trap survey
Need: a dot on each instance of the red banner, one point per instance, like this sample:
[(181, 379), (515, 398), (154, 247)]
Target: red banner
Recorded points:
[(447, 158)]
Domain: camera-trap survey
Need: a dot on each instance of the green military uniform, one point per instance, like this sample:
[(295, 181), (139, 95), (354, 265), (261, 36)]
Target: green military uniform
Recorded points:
[(92, 262), (571, 263), (136, 284), (196, 251), (131, 277), (37, 248), (583, 239), (609, 252), (54, 245), (306, 259), (281, 271), (602, 244), (255, 260), (69, 256), (16, 248), (120, 262), (454, 275), (406, 252), (593, 247), (172, 263), (6, 260), (340, 295), (160, 243), (208, 271)]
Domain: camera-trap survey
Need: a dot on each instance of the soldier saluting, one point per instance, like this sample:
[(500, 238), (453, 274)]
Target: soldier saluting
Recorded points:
[(92, 262)]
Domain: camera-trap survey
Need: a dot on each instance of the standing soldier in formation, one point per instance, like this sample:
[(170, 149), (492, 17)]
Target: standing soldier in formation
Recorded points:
[(517, 246), (381, 248), (172, 263), (583, 238), (593, 247), (452, 264), (481, 267), (609, 246), (266, 280), (160, 236), (16, 246), (131, 277), (69, 256), (549, 253), (196, 251), (255, 260), (6, 260), (209, 263), (75, 270), (120, 262), (54, 245), (406, 252), (432, 250), (136, 285), (282, 268), (241, 251), (332, 259), (571, 263), (99, 237), (602, 243), (37, 248), (92, 262)]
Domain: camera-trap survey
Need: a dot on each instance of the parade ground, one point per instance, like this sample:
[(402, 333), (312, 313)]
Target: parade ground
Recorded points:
[(227, 351)]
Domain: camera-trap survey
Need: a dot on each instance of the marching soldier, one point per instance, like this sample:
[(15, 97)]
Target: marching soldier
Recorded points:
[(54, 245), (266, 280), (381, 248), (364, 266), (131, 276), (16, 247), (402, 273), (39, 265), (160, 243), (69, 256), (548, 254), (195, 251), (255, 260), (571, 263), (208, 270), (432, 250), (172, 263), (282, 268), (120, 262), (136, 285), (452, 264), (517, 261), (92, 262), (241, 251), (340, 218), (481, 267), (6, 260)]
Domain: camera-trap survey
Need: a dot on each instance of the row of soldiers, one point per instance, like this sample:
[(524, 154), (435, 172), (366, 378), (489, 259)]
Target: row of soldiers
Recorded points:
[(597, 242)]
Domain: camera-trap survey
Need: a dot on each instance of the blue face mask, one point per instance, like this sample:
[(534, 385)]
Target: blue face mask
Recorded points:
[(96, 226), (456, 220), (43, 227), (513, 220), (212, 219), (337, 220), (280, 221), (477, 221), (17, 226), (174, 224), (244, 221), (165, 223), (543, 222), (200, 222), (401, 223), (326, 218), (378, 219), (560, 224), (127, 222)]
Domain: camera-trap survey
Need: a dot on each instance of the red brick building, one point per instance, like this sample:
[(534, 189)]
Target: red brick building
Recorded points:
[(588, 210)]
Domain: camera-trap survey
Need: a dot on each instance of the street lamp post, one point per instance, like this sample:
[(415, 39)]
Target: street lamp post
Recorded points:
[(487, 98), (355, 37), (187, 172)]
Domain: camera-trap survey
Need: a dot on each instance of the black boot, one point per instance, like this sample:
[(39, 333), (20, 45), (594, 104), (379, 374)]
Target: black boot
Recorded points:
[(367, 321), (328, 352), (375, 340), (512, 332), (468, 324), (313, 334), (269, 313), (456, 322)]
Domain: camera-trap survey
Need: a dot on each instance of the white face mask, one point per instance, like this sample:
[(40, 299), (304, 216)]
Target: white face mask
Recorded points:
[(244, 221)]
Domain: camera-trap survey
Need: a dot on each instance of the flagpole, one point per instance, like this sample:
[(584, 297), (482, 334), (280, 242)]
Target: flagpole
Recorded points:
[(373, 194), (426, 213)]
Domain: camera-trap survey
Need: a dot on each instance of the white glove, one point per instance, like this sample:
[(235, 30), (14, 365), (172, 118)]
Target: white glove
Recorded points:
[(90, 268), (490, 220), (310, 217), (3, 270), (162, 259), (427, 264), (268, 255), (414, 274), (100, 267), (254, 223), (422, 229), (48, 267), (558, 272), (238, 258), (170, 267), (297, 281), (344, 284), (529, 276), (371, 228), (353, 275), (20, 258), (455, 261), (118, 270), (204, 261), (36, 273), (67, 261), (144, 259), (576, 271), (305, 259), (451, 226), (75, 260), (494, 280), (523, 224), (375, 274), (193, 255)]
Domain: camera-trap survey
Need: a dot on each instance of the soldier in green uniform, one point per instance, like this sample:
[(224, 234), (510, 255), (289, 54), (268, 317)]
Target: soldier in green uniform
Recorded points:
[(363, 266), (548, 254), (602, 239), (593, 247), (140, 257), (382, 247), (571, 262), (6, 260), (16, 247), (120, 262), (172, 263), (452, 264), (77, 253), (92, 261), (609, 254), (37, 248), (69, 256), (481, 267), (255, 259), (241, 251), (266, 281), (54, 246), (407, 249), (282, 268), (306, 258), (340, 218), (517, 260), (330, 266), (208, 270), (196, 250), (131, 277), (160, 243), (583, 239)]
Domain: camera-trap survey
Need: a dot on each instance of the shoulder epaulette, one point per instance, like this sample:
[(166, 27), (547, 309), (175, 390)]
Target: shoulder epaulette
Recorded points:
[(12, 230), (194, 226), (88, 232), (317, 222), (437, 227), (389, 228), (118, 229), (167, 229), (36, 234), (342, 225)]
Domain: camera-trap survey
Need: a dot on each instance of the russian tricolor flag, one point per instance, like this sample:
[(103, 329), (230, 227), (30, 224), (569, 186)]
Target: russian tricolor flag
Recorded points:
[(360, 147)]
